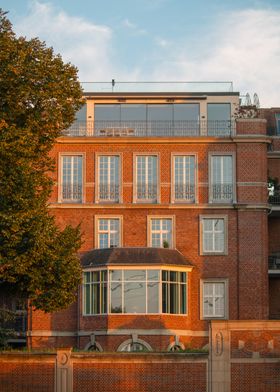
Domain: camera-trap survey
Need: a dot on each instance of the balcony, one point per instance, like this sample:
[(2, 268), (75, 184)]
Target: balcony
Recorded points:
[(109, 193), (72, 193), (184, 193), (151, 129), (274, 198), (222, 193), (274, 264)]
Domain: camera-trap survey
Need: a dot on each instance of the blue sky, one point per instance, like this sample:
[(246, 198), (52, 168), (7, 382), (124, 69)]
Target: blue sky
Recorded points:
[(162, 40)]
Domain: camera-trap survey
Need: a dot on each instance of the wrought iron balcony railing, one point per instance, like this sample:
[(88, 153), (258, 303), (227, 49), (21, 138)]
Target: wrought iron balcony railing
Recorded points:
[(109, 192), (222, 192), (275, 198), (184, 192), (274, 262), (72, 192), (146, 192), (151, 128)]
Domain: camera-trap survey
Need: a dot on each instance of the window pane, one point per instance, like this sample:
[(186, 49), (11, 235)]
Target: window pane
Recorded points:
[(134, 297), (160, 112), (133, 112), (87, 299), (153, 274), (183, 299), (165, 296), (218, 111), (107, 112), (139, 275), (81, 115), (116, 275), (186, 112), (174, 298), (116, 297), (153, 297)]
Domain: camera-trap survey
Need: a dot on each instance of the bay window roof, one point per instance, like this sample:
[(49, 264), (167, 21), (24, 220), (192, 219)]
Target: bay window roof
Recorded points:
[(133, 256)]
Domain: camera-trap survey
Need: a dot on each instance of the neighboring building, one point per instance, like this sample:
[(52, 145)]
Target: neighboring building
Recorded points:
[(171, 193), (273, 128)]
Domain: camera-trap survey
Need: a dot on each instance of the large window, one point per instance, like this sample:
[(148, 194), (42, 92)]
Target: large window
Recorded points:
[(146, 178), (213, 233), (108, 178), (214, 299), (72, 179), (219, 119), (221, 179), (108, 232), (160, 232), (141, 291), (148, 119), (184, 178)]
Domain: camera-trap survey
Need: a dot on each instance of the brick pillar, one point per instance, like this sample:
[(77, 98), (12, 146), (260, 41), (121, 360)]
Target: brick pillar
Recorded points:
[(64, 371), (220, 372)]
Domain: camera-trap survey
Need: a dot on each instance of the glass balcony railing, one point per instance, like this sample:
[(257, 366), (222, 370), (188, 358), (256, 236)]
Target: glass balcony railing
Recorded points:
[(186, 128)]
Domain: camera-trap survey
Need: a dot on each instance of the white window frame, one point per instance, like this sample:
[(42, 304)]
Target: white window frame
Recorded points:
[(60, 177), (97, 232), (211, 173), (214, 252), (149, 227), (214, 281), (97, 177), (173, 197), (185, 269), (135, 198)]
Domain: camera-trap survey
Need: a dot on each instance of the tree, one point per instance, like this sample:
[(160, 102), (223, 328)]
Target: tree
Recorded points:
[(39, 95)]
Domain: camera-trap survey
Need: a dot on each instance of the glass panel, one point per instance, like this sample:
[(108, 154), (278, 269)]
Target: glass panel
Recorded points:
[(107, 113), (160, 112), (165, 275), (95, 276), (183, 297), (153, 274), (186, 112), (153, 297), (218, 111), (115, 275), (134, 297), (96, 298), (165, 302), (133, 112), (277, 123), (174, 298), (173, 276), (219, 118), (139, 275), (81, 115), (87, 299), (86, 277), (116, 297), (103, 294)]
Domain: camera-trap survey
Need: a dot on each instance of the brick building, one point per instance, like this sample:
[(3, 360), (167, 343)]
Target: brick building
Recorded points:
[(171, 193)]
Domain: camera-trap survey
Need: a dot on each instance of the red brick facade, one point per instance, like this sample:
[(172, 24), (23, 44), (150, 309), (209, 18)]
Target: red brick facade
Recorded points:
[(243, 265)]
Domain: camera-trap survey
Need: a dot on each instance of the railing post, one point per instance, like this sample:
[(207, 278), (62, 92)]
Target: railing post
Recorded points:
[(64, 371)]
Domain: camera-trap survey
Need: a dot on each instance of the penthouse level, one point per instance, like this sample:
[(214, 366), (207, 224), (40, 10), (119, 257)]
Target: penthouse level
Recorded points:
[(157, 114)]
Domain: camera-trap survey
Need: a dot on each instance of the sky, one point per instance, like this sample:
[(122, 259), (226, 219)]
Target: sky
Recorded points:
[(161, 40)]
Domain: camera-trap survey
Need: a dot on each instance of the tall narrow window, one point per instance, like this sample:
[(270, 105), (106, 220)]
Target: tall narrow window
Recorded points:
[(146, 178), (219, 119), (72, 178), (184, 178), (221, 178), (213, 235), (214, 299), (161, 233), (277, 118), (108, 233), (108, 179)]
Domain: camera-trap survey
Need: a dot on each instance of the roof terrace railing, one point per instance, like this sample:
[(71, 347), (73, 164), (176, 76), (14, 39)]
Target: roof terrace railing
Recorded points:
[(150, 128), (159, 86)]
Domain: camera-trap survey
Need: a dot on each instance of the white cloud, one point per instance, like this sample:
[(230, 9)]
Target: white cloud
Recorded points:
[(83, 43), (244, 48), (133, 27)]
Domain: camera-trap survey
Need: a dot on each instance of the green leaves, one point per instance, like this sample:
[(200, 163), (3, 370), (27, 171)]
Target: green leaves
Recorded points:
[(39, 96)]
